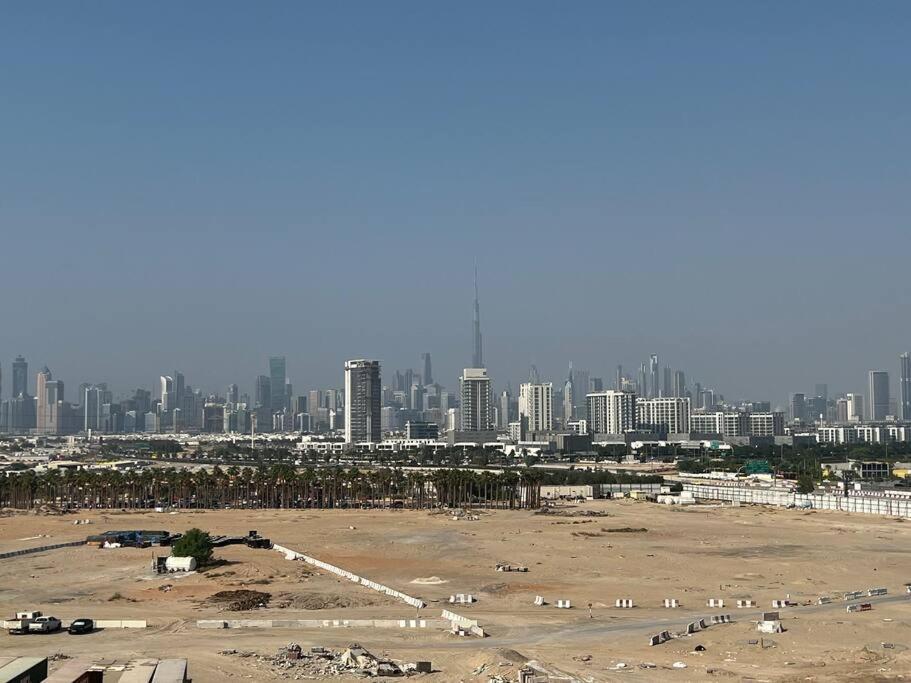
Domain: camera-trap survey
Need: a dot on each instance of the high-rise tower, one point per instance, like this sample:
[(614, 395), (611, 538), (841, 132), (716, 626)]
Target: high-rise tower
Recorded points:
[(904, 385), (20, 377), (277, 377), (477, 358), (878, 406), (363, 399), (428, 369)]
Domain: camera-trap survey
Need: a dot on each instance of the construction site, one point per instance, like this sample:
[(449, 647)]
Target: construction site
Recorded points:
[(596, 590)]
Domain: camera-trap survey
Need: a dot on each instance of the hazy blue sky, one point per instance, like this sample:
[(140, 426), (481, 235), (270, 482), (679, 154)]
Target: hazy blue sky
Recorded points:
[(198, 185)]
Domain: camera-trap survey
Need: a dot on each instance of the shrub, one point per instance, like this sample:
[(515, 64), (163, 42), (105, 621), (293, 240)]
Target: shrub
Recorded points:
[(195, 543)]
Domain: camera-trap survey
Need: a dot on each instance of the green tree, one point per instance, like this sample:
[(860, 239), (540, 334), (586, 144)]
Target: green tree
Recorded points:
[(805, 484), (195, 543)]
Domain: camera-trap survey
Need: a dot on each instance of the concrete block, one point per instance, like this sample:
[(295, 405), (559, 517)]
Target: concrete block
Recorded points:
[(133, 623), (624, 603), (211, 623), (714, 602)]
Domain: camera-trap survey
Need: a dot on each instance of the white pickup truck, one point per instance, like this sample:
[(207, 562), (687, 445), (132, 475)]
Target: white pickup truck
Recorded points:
[(34, 622)]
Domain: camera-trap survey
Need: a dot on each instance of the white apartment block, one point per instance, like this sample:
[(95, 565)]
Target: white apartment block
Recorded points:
[(863, 434), (671, 413), (611, 412), (729, 424), (536, 403), (476, 410)]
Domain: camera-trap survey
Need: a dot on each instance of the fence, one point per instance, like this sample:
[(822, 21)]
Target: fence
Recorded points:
[(40, 549), (891, 507)]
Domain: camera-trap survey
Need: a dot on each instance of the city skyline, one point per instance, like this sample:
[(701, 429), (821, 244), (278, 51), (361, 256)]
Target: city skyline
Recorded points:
[(897, 383)]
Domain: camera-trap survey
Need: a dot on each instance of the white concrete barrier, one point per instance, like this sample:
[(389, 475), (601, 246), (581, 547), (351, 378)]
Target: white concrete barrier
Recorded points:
[(354, 578), (692, 627), (671, 603), (876, 591), (539, 601), (624, 603), (823, 600), (563, 604), (741, 604), (853, 595), (779, 604), (464, 623), (462, 599), (714, 602), (117, 623)]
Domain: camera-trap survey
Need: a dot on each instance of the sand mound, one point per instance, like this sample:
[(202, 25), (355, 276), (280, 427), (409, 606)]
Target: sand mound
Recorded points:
[(429, 580)]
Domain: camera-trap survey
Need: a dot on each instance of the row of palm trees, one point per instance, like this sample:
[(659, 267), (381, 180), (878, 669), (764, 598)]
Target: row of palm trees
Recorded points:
[(275, 486)]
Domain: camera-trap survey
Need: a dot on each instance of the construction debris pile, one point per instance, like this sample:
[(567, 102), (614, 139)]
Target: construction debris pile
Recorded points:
[(291, 661), (240, 600)]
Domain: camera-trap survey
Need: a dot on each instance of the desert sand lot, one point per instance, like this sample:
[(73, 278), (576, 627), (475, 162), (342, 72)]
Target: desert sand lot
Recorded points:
[(691, 554)]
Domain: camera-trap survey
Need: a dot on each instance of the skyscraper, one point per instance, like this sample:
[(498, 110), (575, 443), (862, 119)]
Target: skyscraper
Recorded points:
[(904, 386), (474, 386), (166, 388), (536, 406), (642, 380), (503, 412), (855, 407), (92, 400), (41, 417), (179, 390), (569, 391), (363, 399), (679, 384), (798, 407), (667, 386), (653, 376), (581, 381), (20, 377), (428, 370), (233, 394), (618, 382), (277, 377), (878, 395), (822, 391), (477, 359)]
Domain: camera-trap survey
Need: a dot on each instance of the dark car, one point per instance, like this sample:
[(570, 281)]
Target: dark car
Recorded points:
[(81, 626)]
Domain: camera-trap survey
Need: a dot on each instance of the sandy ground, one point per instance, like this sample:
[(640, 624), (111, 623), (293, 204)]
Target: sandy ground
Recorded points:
[(691, 554)]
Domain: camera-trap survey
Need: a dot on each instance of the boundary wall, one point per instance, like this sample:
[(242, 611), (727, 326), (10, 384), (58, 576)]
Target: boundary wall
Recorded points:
[(40, 549), (322, 623), (891, 507)]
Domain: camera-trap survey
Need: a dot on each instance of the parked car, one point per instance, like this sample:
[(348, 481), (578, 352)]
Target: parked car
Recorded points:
[(44, 625), (78, 626)]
